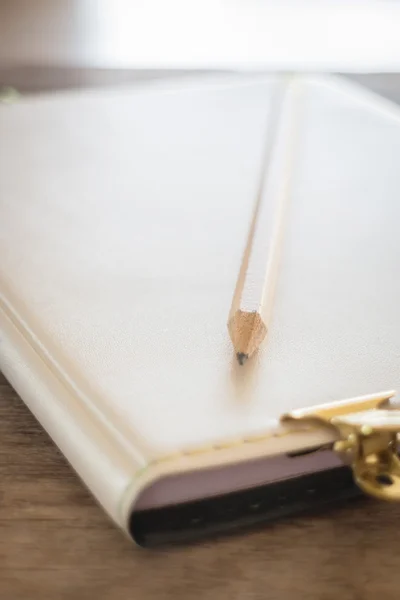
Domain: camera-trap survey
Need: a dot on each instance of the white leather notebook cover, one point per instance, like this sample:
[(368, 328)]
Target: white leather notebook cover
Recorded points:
[(123, 218)]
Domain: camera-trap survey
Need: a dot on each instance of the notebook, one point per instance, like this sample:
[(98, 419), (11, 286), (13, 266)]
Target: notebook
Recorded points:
[(124, 215)]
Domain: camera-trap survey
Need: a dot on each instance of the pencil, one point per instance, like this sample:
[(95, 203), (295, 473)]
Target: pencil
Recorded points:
[(252, 302)]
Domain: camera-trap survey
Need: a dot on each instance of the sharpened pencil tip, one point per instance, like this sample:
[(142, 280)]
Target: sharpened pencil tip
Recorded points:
[(242, 357)]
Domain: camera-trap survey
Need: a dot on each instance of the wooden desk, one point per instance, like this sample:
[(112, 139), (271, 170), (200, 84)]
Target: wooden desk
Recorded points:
[(56, 543)]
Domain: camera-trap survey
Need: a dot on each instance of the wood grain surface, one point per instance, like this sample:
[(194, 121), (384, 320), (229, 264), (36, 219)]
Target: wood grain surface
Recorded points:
[(56, 543)]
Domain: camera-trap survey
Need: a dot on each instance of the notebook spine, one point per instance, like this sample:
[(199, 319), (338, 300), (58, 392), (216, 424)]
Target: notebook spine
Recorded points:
[(96, 458)]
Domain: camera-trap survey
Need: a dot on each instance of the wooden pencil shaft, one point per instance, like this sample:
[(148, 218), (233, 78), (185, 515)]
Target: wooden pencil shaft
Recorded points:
[(254, 293)]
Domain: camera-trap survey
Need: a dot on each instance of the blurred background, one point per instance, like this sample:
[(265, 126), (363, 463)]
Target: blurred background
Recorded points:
[(54, 44)]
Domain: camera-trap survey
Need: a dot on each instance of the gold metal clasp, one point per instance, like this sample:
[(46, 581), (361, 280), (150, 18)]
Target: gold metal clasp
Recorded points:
[(367, 430)]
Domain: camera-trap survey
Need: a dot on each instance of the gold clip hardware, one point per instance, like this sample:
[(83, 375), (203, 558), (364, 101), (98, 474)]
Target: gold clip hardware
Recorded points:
[(367, 430)]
